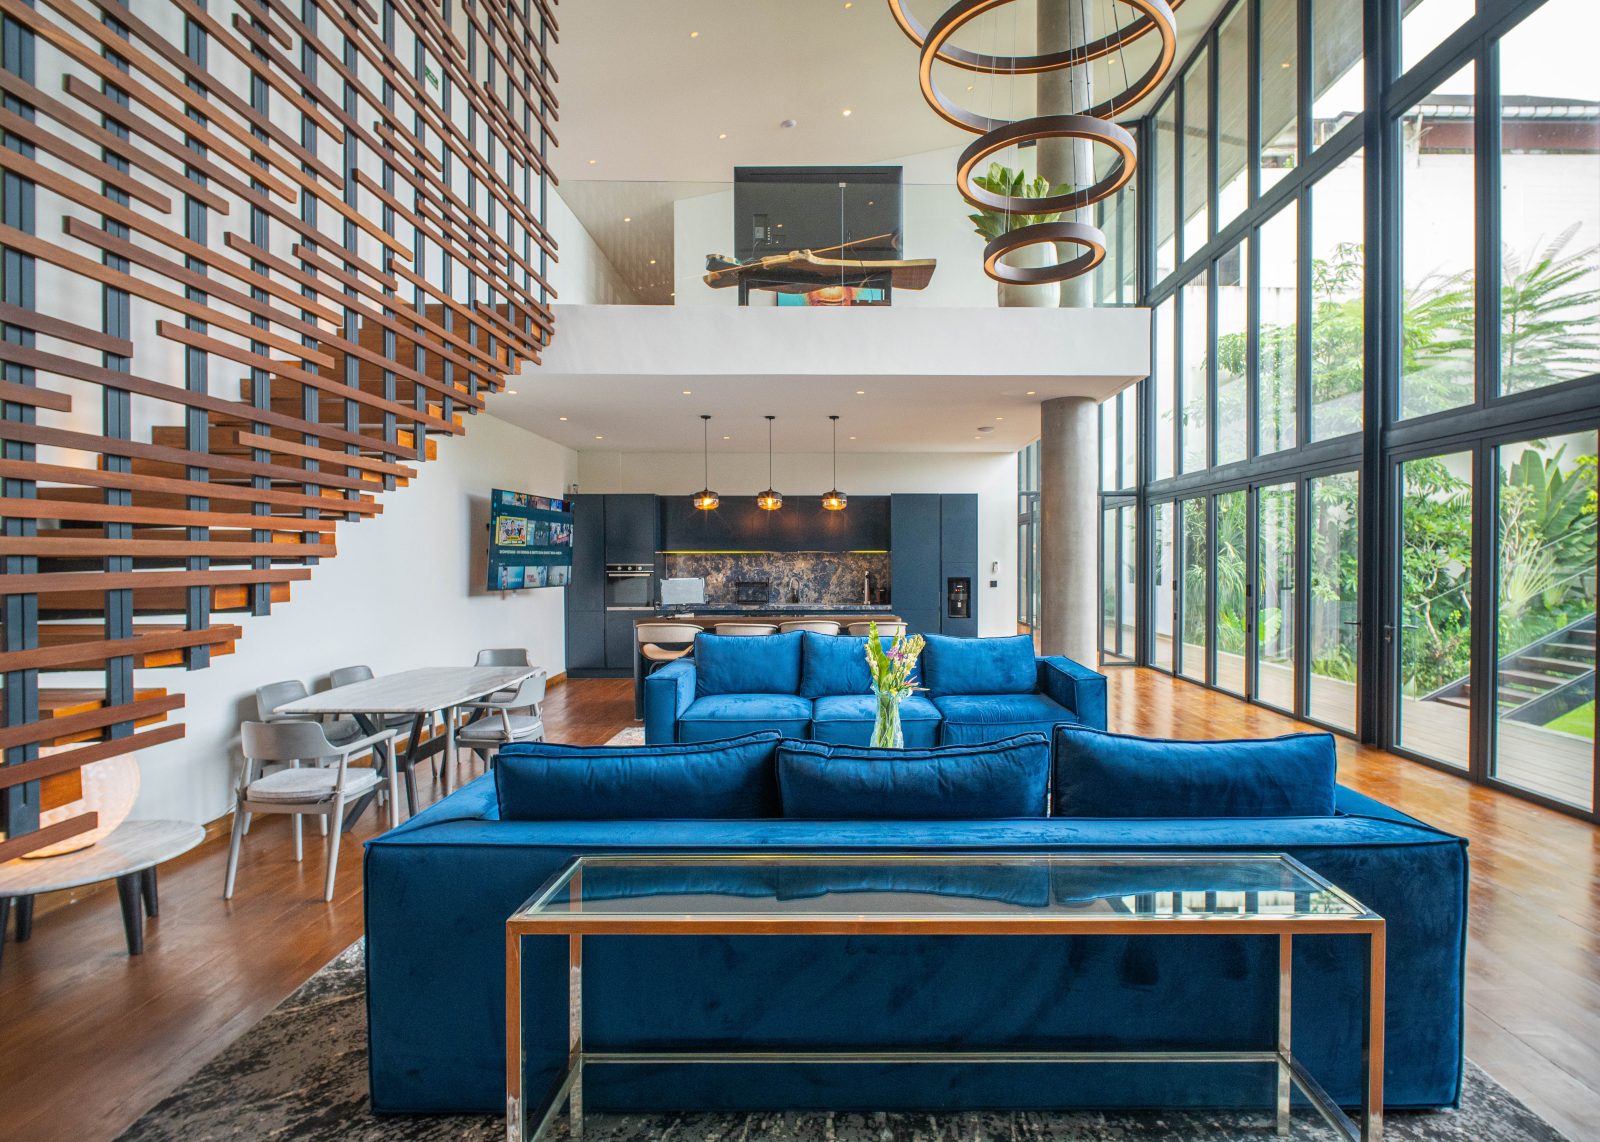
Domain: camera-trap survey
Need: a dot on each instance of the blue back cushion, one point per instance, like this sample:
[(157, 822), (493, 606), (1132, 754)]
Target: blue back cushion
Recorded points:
[(747, 664), (1005, 665), (1110, 775), (729, 779), (834, 665), (821, 781)]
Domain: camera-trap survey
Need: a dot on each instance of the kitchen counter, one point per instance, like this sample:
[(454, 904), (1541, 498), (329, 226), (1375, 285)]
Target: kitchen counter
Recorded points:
[(786, 610)]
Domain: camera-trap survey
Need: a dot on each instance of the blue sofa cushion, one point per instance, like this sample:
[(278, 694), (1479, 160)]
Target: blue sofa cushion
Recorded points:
[(733, 778), (848, 719), (989, 717), (729, 715), (1005, 665), (818, 781), (1113, 775), (736, 664), (836, 664)]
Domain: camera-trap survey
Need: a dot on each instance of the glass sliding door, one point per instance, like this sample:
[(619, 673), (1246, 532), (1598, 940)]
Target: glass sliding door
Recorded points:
[(1110, 584), (1332, 635), (1163, 640), (1544, 730), (1196, 589), (1119, 582), (1434, 635), (1233, 610), (1276, 601)]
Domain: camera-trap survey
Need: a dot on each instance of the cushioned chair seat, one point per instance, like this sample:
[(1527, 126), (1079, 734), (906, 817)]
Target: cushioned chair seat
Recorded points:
[(847, 719), (492, 729), (986, 717), (309, 784), (730, 715)]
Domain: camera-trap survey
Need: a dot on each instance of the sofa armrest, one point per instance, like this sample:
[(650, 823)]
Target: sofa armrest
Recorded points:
[(667, 694), (1079, 689)]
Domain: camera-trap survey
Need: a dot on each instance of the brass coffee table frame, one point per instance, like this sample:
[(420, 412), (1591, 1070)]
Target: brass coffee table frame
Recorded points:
[(575, 924)]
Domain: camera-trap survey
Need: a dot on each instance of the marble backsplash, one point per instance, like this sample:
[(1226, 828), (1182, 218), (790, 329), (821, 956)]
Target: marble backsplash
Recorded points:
[(820, 578)]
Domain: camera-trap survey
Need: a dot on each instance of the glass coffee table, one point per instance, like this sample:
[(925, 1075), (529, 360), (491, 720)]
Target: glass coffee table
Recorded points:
[(972, 894)]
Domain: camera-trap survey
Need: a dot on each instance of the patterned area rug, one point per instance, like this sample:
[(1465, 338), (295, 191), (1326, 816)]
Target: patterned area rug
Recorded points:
[(301, 1073)]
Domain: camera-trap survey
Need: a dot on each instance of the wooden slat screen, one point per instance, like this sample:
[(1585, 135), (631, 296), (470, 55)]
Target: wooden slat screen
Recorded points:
[(253, 255)]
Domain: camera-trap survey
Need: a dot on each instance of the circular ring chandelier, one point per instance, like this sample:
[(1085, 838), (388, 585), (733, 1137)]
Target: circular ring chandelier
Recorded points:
[(1093, 125)]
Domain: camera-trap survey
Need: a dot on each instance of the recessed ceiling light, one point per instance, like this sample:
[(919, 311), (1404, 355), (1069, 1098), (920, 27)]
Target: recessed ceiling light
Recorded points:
[(845, 112), (1286, 65), (727, 438), (627, 218), (969, 87), (852, 438), (688, 392), (788, 123), (510, 392), (563, 418), (694, 35), (1030, 392), (861, 392), (599, 437), (723, 135), (652, 261), (593, 161), (849, 4)]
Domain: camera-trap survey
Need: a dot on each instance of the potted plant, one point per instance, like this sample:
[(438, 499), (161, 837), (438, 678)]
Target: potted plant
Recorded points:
[(892, 670), (990, 224)]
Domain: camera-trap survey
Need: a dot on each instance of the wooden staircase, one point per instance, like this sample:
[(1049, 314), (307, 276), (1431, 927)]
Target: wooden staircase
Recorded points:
[(1529, 678)]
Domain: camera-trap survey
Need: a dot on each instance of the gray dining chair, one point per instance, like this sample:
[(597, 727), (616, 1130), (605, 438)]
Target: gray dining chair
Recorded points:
[(306, 788), (275, 694), (503, 656), (494, 724), (349, 675)]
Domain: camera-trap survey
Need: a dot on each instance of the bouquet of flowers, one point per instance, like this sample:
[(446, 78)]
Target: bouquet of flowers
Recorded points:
[(892, 672)]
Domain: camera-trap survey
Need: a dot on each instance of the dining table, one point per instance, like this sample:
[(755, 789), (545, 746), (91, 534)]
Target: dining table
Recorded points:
[(418, 694)]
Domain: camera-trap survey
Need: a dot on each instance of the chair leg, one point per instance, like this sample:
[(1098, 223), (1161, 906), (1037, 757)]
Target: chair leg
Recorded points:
[(247, 817), (241, 825), (299, 847), (322, 823), (333, 849), (394, 796)]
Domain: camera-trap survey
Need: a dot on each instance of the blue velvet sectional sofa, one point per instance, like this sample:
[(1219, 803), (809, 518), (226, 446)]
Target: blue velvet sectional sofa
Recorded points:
[(807, 685), (439, 888)]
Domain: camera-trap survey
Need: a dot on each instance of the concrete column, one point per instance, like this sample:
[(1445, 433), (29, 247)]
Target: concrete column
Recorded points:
[(1063, 24), (1069, 527)]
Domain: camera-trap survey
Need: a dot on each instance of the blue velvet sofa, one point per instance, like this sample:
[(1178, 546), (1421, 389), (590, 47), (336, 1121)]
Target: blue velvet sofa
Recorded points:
[(439, 887), (808, 685)]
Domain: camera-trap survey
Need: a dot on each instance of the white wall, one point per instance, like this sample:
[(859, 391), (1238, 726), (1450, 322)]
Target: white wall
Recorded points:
[(583, 275), (405, 590), (993, 476)]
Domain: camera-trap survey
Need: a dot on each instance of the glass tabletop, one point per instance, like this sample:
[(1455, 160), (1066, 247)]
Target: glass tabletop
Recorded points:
[(820, 886)]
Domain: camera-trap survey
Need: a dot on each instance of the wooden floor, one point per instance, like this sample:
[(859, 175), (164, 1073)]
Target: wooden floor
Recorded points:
[(90, 1038)]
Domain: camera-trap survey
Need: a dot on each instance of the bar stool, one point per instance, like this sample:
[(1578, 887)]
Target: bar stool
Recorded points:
[(815, 626), (661, 643), (885, 630), (747, 628)]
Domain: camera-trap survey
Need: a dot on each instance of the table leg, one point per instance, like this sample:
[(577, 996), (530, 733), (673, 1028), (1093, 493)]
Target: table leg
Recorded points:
[(514, 1108), (152, 902), (132, 916), (1285, 1038), (1372, 1056), (450, 750), (5, 914), (24, 918), (575, 1034)]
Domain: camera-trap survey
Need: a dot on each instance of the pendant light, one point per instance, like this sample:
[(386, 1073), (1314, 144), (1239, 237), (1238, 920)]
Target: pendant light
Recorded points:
[(705, 499), (769, 500), (834, 500)]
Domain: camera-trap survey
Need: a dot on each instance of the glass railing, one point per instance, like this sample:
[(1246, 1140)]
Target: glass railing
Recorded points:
[(802, 243)]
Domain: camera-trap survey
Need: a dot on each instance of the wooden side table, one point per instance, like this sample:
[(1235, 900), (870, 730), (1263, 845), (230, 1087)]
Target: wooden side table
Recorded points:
[(129, 855)]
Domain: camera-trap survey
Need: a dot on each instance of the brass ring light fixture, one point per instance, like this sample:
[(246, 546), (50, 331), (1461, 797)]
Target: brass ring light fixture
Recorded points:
[(1093, 125)]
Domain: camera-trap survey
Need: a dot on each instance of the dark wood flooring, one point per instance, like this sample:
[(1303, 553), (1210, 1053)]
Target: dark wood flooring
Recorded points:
[(90, 1038)]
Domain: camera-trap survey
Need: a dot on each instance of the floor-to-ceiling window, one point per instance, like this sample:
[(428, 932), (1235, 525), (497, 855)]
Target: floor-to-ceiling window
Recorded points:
[(1374, 405), (1028, 539)]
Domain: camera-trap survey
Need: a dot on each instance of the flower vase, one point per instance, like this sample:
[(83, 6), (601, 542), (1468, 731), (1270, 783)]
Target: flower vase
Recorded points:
[(886, 732)]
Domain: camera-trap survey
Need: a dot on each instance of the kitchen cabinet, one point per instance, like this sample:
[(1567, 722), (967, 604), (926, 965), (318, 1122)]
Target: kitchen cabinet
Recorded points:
[(958, 560), (916, 589), (632, 528)]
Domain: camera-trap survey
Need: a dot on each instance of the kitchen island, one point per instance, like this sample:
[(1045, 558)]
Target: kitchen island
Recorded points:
[(708, 617)]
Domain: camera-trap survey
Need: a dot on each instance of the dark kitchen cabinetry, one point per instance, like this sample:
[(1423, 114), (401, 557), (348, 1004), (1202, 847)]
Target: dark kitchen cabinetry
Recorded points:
[(958, 552), (632, 529), (933, 551), (914, 561), (800, 525), (609, 529)]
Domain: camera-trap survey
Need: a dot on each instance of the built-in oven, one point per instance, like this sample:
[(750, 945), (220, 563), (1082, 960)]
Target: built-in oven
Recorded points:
[(629, 586)]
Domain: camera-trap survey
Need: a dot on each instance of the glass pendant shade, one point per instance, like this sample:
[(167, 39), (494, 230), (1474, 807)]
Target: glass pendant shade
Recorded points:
[(769, 500), (833, 500), (705, 499)]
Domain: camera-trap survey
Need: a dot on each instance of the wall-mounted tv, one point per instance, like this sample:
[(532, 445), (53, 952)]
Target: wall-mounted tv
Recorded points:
[(530, 541)]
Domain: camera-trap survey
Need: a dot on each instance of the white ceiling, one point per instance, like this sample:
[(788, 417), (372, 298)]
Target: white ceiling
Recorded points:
[(645, 101)]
